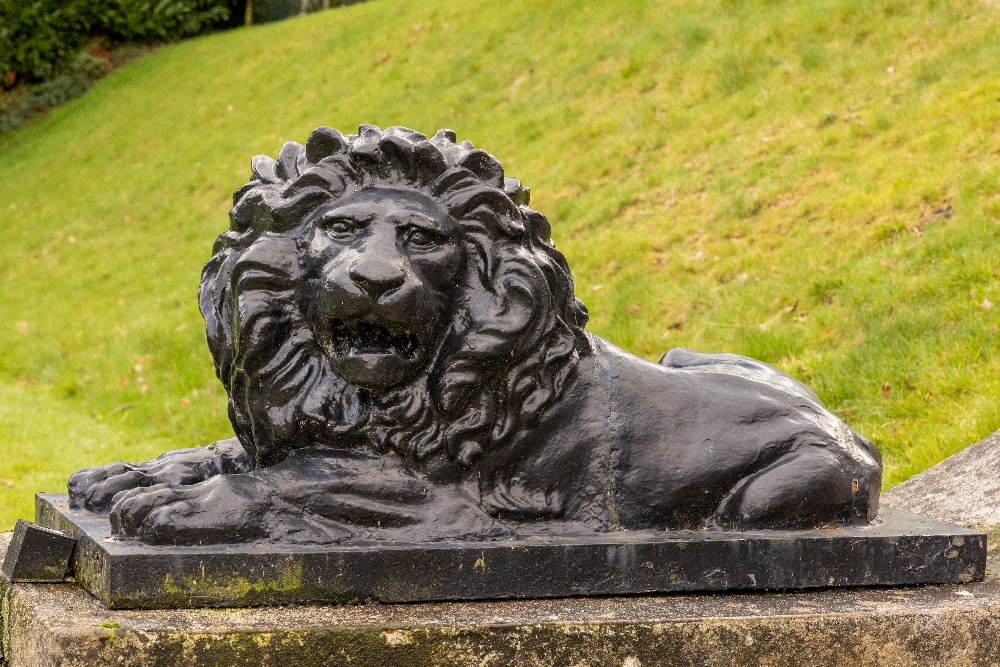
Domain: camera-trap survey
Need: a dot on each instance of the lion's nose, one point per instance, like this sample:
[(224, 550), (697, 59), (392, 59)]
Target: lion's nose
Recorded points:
[(377, 279)]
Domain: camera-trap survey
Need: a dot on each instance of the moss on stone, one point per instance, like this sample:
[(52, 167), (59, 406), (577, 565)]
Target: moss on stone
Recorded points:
[(286, 580)]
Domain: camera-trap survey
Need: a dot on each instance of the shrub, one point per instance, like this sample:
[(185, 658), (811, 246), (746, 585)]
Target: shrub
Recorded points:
[(37, 38), (157, 20), (30, 100), (40, 38)]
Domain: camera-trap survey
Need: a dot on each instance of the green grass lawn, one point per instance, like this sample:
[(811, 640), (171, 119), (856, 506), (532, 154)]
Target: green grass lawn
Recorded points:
[(816, 184)]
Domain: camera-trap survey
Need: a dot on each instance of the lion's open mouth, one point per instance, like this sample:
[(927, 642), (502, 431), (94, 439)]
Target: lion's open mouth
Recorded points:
[(360, 337)]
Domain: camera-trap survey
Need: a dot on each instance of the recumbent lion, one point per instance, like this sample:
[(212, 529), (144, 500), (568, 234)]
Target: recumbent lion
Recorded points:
[(405, 359)]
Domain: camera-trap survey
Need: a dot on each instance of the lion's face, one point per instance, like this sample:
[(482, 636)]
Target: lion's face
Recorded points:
[(381, 270), (390, 289)]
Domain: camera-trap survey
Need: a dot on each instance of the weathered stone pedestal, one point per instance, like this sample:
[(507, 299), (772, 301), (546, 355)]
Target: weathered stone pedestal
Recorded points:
[(955, 625)]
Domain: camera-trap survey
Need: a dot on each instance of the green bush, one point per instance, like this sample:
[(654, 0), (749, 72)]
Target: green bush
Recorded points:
[(40, 38), (30, 100), (160, 20)]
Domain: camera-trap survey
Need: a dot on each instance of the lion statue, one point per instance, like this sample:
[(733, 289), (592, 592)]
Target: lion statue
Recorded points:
[(405, 359)]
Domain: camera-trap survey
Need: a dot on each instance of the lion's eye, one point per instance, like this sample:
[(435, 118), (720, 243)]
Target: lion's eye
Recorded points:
[(340, 227), (421, 238)]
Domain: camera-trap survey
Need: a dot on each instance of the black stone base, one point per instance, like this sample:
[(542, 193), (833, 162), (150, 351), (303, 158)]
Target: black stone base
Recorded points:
[(37, 554), (903, 549)]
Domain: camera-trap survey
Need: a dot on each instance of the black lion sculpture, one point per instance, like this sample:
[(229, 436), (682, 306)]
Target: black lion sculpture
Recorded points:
[(405, 359)]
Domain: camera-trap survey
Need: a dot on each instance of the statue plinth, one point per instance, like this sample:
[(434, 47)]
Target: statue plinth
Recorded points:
[(900, 549)]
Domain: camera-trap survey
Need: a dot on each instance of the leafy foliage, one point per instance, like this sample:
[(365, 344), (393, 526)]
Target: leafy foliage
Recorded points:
[(39, 39), (28, 101)]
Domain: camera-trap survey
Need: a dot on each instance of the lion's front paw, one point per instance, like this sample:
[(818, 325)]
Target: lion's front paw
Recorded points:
[(227, 508), (95, 488)]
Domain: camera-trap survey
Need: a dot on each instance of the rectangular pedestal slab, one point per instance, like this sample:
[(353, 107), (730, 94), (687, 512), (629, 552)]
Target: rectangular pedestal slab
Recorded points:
[(901, 549)]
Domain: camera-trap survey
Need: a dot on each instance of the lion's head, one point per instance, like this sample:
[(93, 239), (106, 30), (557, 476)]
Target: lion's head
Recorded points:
[(389, 288)]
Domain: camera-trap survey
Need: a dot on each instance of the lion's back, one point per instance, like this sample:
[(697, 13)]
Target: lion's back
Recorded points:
[(697, 425)]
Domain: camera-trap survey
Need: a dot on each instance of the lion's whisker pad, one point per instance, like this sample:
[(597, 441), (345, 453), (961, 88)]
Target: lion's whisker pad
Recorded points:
[(407, 363)]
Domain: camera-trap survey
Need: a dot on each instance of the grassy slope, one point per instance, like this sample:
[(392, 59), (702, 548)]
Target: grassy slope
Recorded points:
[(811, 183)]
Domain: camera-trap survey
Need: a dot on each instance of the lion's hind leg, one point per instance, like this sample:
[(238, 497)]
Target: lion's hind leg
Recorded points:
[(809, 487)]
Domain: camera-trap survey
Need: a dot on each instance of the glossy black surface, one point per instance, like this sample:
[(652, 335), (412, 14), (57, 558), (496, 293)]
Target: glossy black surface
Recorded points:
[(406, 361)]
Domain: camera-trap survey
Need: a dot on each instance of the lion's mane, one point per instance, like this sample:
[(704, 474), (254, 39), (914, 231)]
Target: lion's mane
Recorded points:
[(492, 378)]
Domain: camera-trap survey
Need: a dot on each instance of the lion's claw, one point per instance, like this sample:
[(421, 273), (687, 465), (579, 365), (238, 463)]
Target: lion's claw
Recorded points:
[(101, 496)]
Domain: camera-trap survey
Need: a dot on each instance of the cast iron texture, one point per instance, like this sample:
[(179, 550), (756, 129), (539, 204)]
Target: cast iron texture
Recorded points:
[(406, 362), (37, 554), (900, 549)]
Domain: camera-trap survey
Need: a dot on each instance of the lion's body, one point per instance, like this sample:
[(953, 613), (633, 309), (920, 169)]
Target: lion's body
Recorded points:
[(405, 359), (713, 440)]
